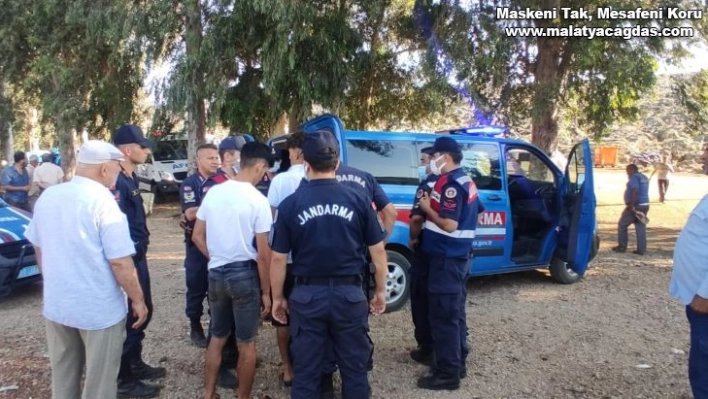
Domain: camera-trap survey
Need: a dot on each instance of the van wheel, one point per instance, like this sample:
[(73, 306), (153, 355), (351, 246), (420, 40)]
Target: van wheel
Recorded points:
[(562, 273), (397, 281)]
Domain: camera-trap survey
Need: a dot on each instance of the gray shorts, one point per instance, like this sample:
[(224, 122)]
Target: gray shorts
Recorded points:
[(235, 300)]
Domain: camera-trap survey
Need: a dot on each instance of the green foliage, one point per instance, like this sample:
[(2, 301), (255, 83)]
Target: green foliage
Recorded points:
[(692, 93), (515, 78)]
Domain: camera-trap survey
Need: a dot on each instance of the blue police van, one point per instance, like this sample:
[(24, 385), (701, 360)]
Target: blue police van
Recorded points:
[(536, 214), (18, 265)]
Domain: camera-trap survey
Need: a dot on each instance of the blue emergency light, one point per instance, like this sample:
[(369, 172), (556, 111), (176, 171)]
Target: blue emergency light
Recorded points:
[(484, 131)]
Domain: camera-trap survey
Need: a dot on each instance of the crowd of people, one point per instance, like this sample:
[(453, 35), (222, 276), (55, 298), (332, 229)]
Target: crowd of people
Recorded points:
[(297, 247)]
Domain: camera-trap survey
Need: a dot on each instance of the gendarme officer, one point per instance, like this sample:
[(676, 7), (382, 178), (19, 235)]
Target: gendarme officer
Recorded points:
[(327, 302), (135, 148), (195, 263), (419, 265), (451, 212)]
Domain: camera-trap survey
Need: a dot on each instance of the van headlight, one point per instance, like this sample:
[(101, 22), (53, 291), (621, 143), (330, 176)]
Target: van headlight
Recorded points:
[(166, 176)]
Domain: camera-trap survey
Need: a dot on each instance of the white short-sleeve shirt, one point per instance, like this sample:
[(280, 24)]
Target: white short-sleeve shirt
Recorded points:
[(79, 227), (48, 173), (234, 212), (285, 184)]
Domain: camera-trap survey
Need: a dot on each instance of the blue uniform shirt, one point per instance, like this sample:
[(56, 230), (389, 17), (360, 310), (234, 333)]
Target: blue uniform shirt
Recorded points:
[(639, 182), (127, 193), (328, 227), (217, 178), (426, 186), (362, 180), (690, 274), (455, 197), (11, 177), (190, 193)]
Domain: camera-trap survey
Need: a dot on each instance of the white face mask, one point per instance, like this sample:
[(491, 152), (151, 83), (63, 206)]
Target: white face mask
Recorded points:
[(437, 170)]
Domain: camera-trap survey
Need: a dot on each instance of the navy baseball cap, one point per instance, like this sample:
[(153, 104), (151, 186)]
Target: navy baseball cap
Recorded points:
[(131, 134), (320, 146), (446, 144), (428, 151), (232, 143)]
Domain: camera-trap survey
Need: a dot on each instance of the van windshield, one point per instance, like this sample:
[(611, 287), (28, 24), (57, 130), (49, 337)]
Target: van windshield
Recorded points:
[(389, 161), (170, 150)]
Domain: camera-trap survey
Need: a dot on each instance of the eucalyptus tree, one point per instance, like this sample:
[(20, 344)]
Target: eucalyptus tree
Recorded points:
[(511, 73)]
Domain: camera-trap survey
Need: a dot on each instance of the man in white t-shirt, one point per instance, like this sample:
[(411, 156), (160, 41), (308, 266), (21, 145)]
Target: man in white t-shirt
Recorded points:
[(45, 175), (229, 218), (281, 187), (83, 248)]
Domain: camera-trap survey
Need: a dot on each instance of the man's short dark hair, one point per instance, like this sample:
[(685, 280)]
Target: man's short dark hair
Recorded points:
[(633, 168), (324, 165), (295, 140), (19, 156), (254, 152), (47, 157), (456, 157), (207, 146)]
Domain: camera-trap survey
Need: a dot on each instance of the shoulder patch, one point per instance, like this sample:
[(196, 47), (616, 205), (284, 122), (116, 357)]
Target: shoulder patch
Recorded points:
[(419, 194), (187, 188), (451, 192), (188, 196)]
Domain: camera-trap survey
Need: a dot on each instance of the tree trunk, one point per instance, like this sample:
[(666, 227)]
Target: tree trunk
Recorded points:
[(547, 85), (196, 107), (370, 74), (66, 136), (280, 125), (5, 123), (33, 135), (10, 149)]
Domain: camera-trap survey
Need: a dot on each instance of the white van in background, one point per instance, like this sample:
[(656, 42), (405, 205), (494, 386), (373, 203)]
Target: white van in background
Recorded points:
[(165, 168)]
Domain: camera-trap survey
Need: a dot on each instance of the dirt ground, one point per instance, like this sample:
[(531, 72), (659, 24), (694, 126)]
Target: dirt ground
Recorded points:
[(614, 334)]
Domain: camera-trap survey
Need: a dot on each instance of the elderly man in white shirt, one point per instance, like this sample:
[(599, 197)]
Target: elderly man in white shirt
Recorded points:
[(281, 187), (83, 248), (45, 175)]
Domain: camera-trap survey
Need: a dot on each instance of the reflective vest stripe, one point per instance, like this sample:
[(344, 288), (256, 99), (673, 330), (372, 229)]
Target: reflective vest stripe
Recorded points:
[(455, 234)]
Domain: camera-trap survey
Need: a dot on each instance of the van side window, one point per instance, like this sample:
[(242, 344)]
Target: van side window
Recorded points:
[(481, 163), (389, 161), (521, 162)]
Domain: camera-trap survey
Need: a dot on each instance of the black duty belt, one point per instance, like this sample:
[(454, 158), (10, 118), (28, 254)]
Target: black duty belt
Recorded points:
[(335, 280)]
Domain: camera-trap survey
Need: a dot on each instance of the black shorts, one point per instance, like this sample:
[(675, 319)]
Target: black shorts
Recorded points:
[(287, 289)]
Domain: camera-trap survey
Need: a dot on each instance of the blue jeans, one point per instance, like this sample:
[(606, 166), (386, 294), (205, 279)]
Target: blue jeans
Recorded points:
[(698, 356), (235, 301)]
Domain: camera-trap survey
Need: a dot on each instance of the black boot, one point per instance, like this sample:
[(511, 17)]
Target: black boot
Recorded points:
[(136, 389), (144, 371), (423, 356), (226, 379), (327, 386), (440, 381), (196, 333), (131, 387)]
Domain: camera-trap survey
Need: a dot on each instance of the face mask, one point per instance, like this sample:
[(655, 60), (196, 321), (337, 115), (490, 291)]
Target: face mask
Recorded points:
[(422, 172), (236, 168), (275, 167), (437, 170)]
